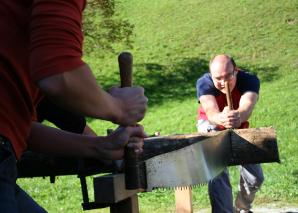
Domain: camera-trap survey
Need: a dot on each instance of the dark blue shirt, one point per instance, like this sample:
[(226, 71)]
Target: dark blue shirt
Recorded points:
[(245, 82)]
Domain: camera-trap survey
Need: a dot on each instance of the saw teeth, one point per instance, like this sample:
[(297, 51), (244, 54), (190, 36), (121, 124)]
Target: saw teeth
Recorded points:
[(181, 187), (199, 185)]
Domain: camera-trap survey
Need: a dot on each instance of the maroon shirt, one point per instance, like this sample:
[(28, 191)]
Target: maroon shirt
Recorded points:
[(38, 39)]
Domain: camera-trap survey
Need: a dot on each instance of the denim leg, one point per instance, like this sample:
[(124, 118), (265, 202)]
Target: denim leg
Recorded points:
[(251, 179), (220, 194), (26, 203), (8, 174), (12, 198), (219, 189)]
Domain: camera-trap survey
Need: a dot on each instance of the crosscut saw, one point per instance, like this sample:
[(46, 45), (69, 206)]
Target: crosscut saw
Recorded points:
[(189, 160)]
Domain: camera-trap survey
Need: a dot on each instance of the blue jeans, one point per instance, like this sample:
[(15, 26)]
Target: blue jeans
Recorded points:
[(220, 190), (12, 198)]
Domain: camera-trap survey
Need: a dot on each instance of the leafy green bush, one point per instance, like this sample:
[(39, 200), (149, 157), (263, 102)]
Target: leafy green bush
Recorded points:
[(103, 28)]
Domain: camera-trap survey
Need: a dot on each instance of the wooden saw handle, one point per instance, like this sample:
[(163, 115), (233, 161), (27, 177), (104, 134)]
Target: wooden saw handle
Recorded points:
[(228, 95), (125, 65), (131, 169)]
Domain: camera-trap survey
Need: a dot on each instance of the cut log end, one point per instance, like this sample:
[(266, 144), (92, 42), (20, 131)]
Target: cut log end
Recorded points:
[(251, 146)]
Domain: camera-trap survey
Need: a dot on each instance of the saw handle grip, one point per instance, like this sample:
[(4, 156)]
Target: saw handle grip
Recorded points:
[(125, 65), (228, 95), (131, 159), (134, 169)]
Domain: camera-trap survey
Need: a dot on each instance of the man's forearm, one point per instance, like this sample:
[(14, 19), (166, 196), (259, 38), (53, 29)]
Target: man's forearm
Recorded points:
[(211, 109), (215, 118), (247, 104), (78, 91), (48, 140), (245, 114)]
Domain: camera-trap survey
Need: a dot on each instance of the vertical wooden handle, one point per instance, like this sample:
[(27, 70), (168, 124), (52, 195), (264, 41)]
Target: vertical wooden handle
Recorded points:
[(131, 169), (125, 66), (125, 61), (228, 95)]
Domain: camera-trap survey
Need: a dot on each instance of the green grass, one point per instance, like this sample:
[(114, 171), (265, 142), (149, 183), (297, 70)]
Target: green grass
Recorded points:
[(173, 42)]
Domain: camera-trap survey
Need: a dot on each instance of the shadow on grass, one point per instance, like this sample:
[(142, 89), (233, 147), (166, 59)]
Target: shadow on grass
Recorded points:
[(265, 74), (173, 82), (178, 81)]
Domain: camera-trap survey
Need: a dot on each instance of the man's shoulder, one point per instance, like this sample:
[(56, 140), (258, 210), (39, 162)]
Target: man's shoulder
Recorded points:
[(247, 81), (246, 75), (205, 78), (205, 86)]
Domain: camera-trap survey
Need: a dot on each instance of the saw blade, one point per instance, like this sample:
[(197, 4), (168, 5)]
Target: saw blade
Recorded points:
[(192, 165)]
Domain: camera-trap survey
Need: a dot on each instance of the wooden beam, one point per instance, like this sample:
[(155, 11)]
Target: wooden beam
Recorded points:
[(129, 205), (111, 189)]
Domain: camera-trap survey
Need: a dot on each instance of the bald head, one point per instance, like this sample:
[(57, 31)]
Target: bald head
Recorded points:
[(222, 62), (222, 69)]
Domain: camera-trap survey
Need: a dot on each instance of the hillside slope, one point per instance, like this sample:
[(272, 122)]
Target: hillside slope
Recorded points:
[(172, 44)]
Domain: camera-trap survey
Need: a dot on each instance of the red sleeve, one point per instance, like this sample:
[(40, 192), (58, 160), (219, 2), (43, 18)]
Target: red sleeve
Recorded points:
[(55, 37)]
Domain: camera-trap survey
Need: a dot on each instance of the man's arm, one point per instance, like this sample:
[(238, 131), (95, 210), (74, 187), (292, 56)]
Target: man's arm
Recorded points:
[(62, 143), (78, 91), (57, 67), (246, 105), (209, 104)]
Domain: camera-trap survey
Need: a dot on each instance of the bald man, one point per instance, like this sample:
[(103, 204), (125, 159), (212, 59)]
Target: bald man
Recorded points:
[(214, 115)]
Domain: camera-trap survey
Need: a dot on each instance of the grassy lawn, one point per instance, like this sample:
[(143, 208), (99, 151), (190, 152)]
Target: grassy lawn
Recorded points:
[(173, 42)]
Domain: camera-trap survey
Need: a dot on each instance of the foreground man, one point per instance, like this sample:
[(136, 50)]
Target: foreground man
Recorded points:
[(214, 115), (41, 49)]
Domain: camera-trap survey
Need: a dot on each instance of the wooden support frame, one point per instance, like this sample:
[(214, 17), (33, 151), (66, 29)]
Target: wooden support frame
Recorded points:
[(183, 200), (110, 190), (129, 205)]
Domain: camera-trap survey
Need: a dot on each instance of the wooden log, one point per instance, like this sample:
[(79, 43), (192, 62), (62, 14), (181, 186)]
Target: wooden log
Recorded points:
[(253, 145)]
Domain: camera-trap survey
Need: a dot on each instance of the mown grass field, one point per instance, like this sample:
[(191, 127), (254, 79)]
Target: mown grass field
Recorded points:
[(172, 44)]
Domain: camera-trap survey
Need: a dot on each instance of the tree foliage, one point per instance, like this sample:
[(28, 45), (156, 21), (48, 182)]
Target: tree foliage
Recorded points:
[(104, 28)]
